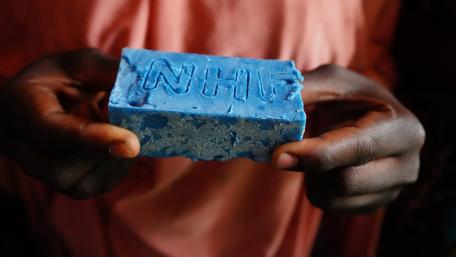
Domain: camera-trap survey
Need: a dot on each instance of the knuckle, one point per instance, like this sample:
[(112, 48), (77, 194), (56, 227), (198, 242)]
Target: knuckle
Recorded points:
[(364, 149), (90, 187), (416, 134), (420, 135), (328, 71), (61, 180), (390, 197), (329, 68), (412, 178), (372, 144), (411, 174), (318, 160), (83, 52)]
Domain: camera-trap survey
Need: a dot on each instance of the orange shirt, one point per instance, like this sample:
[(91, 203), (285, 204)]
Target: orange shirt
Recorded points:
[(174, 207)]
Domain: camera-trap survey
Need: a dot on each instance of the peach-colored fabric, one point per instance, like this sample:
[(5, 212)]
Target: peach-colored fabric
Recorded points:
[(173, 207)]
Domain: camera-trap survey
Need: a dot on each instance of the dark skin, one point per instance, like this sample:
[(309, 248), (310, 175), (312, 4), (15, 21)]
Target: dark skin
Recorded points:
[(361, 145), (58, 131)]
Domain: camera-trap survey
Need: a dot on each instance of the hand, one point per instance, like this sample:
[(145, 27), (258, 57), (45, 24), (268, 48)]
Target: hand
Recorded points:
[(55, 123), (361, 145)]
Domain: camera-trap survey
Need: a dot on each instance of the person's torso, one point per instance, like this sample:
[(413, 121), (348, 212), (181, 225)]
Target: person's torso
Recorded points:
[(173, 207)]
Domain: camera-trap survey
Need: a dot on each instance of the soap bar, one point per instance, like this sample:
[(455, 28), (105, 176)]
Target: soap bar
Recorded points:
[(207, 107)]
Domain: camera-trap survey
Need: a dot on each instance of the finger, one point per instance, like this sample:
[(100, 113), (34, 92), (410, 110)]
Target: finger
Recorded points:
[(373, 136), (330, 115), (101, 179), (65, 172), (54, 130), (89, 138), (354, 204), (76, 177), (59, 174), (330, 81), (375, 176), (93, 69)]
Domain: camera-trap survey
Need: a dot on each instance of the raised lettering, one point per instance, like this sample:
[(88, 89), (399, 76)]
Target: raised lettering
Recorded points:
[(239, 82)]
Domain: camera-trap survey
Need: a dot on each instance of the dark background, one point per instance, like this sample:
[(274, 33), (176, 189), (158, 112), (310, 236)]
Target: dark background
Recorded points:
[(422, 222)]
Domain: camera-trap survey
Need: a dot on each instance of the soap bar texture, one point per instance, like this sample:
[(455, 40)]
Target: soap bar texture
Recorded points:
[(207, 107)]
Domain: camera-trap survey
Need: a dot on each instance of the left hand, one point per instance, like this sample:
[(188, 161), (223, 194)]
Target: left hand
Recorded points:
[(56, 125), (361, 145)]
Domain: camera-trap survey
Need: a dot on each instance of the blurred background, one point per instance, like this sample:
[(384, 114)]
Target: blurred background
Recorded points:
[(422, 222)]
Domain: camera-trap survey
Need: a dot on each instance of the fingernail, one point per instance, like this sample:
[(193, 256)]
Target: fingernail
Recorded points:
[(119, 151), (286, 161)]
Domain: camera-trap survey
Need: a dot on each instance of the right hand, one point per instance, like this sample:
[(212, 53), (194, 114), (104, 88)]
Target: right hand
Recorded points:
[(362, 145), (55, 123)]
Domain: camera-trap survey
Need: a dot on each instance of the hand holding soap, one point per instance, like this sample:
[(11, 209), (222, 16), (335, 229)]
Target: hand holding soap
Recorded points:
[(207, 107)]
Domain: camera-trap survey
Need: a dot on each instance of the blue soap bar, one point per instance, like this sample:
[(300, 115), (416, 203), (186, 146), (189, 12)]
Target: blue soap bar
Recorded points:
[(207, 107)]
